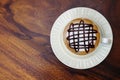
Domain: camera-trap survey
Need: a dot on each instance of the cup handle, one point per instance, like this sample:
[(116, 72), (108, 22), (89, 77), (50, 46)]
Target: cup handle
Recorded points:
[(106, 41)]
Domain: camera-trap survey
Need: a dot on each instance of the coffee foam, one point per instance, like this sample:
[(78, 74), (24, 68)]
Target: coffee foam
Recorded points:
[(81, 51)]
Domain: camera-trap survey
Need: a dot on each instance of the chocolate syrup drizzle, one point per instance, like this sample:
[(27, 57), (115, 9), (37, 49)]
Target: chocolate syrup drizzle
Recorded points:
[(88, 37)]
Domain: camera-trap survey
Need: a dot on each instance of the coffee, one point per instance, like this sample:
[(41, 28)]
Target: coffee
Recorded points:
[(81, 36)]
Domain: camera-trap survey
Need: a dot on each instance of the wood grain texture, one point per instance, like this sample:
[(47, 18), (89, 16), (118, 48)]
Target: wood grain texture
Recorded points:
[(25, 51)]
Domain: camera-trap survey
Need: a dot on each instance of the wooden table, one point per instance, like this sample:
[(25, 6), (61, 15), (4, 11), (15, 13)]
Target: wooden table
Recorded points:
[(25, 50)]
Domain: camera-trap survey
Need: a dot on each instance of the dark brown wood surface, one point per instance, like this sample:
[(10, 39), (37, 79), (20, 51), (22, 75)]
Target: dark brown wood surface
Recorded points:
[(25, 51)]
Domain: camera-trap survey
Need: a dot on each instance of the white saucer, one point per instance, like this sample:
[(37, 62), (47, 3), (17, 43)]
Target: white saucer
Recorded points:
[(80, 61)]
